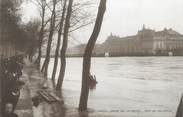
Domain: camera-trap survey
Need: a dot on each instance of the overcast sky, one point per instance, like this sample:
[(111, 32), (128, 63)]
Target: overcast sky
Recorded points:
[(126, 17)]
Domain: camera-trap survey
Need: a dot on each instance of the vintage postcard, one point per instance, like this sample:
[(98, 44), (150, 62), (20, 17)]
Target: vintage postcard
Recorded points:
[(91, 58)]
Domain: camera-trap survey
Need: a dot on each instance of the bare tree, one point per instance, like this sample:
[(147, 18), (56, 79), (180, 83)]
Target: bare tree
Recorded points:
[(50, 38), (87, 56), (179, 112), (31, 30), (59, 41), (64, 46), (41, 33)]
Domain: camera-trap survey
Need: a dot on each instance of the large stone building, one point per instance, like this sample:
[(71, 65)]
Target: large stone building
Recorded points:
[(145, 42)]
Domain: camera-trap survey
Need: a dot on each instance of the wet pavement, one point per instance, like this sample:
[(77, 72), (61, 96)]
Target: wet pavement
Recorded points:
[(24, 105), (34, 81)]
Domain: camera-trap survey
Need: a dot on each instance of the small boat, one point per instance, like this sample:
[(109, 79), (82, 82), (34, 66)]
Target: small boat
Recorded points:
[(92, 81)]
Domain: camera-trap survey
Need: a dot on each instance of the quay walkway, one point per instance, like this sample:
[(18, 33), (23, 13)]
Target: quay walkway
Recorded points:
[(34, 81)]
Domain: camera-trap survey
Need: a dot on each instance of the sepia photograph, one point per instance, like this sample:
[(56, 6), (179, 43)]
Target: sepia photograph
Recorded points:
[(91, 58)]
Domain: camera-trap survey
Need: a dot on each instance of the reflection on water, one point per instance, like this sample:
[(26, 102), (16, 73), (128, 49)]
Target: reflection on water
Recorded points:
[(127, 86)]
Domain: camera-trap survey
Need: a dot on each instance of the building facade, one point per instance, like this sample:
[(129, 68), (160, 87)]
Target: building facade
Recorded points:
[(146, 42)]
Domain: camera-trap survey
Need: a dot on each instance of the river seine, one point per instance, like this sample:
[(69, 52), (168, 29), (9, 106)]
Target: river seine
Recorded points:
[(127, 86)]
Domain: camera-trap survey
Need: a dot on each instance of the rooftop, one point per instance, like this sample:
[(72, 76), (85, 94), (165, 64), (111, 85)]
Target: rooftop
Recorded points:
[(148, 31)]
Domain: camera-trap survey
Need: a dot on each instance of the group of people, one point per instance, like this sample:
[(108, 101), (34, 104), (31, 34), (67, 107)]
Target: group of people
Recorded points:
[(11, 71)]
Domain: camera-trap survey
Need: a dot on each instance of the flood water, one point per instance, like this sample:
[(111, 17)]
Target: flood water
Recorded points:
[(127, 86)]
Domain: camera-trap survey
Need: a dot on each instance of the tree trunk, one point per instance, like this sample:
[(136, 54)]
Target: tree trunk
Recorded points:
[(64, 46), (52, 26), (41, 35), (179, 112), (58, 41), (87, 56), (40, 45)]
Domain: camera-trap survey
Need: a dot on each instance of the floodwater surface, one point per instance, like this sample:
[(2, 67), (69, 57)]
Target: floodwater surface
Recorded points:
[(127, 86)]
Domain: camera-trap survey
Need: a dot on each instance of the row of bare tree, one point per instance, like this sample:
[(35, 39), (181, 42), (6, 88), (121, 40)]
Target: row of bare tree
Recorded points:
[(61, 18)]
